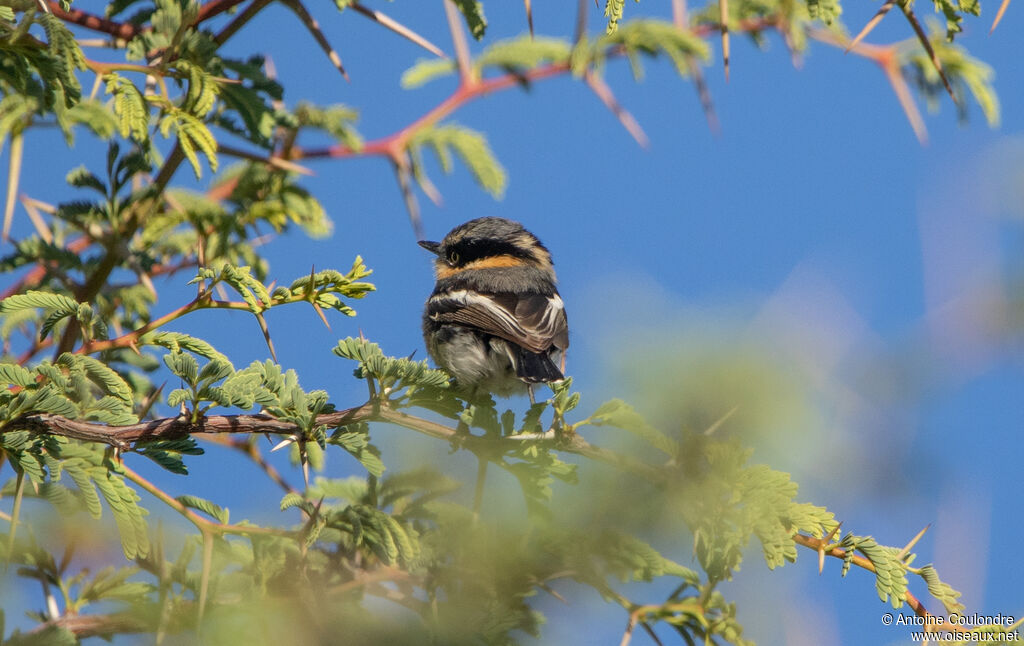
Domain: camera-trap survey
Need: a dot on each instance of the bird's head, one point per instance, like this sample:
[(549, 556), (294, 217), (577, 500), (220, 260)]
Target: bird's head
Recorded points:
[(488, 242)]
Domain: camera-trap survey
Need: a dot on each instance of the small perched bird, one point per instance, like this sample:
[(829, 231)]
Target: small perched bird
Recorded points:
[(495, 320)]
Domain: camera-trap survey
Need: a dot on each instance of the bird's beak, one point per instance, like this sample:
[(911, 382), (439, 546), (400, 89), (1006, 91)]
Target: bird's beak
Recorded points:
[(432, 247)]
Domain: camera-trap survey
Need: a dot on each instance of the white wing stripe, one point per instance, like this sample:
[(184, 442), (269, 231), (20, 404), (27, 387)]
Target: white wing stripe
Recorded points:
[(548, 322)]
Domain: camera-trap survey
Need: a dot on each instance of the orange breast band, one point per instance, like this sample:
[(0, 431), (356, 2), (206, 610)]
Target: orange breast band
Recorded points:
[(444, 270)]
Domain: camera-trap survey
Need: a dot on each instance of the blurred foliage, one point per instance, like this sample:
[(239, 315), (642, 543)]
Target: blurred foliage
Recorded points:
[(407, 555)]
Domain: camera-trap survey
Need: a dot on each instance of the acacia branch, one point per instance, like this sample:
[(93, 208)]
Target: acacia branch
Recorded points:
[(122, 437), (820, 544)]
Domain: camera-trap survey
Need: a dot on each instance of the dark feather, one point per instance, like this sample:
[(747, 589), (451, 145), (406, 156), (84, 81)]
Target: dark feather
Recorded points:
[(532, 321), (534, 367)]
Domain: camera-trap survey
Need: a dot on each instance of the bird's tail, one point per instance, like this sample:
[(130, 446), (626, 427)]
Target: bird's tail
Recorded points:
[(534, 367)]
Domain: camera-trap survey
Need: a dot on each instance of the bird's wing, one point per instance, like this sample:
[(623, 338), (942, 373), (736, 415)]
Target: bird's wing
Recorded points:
[(534, 321)]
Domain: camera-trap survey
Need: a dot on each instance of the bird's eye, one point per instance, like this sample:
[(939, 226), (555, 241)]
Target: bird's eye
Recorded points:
[(453, 257)]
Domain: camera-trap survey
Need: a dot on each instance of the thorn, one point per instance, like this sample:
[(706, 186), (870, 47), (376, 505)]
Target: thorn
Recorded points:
[(999, 15), (402, 173), (909, 546), (13, 176), (304, 459), (581, 21), (320, 313), (150, 400), (604, 93), (285, 442), (37, 219), (429, 189), (927, 44), (704, 95), (723, 11), (721, 420), (312, 281), (314, 28), (554, 593), (679, 14), (877, 18), (899, 85), (399, 29), (459, 41), (147, 282), (266, 335), (823, 544)]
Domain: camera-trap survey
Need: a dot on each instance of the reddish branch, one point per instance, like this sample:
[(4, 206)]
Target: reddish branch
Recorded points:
[(126, 30)]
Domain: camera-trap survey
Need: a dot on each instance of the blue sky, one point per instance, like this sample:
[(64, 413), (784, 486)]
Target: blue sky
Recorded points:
[(812, 265)]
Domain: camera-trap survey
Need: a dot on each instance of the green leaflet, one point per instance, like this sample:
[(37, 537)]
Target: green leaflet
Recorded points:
[(613, 12), (167, 453), (426, 70), (473, 12), (129, 106), (357, 444), (470, 146), (335, 120), (620, 414), (193, 135), (390, 372), (13, 374), (212, 509), (129, 516), (646, 37), (966, 74)]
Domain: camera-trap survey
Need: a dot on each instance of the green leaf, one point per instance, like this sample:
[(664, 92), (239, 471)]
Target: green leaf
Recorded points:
[(130, 518), (37, 299), (945, 593), (426, 70), (192, 135), (101, 374), (13, 374), (613, 12), (357, 444), (77, 471), (167, 453), (471, 147), (473, 12), (295, 500), (621, 415), (176, 341), (211, 509), (129, 106), (335, 120), (184, 366), (524, 53)]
